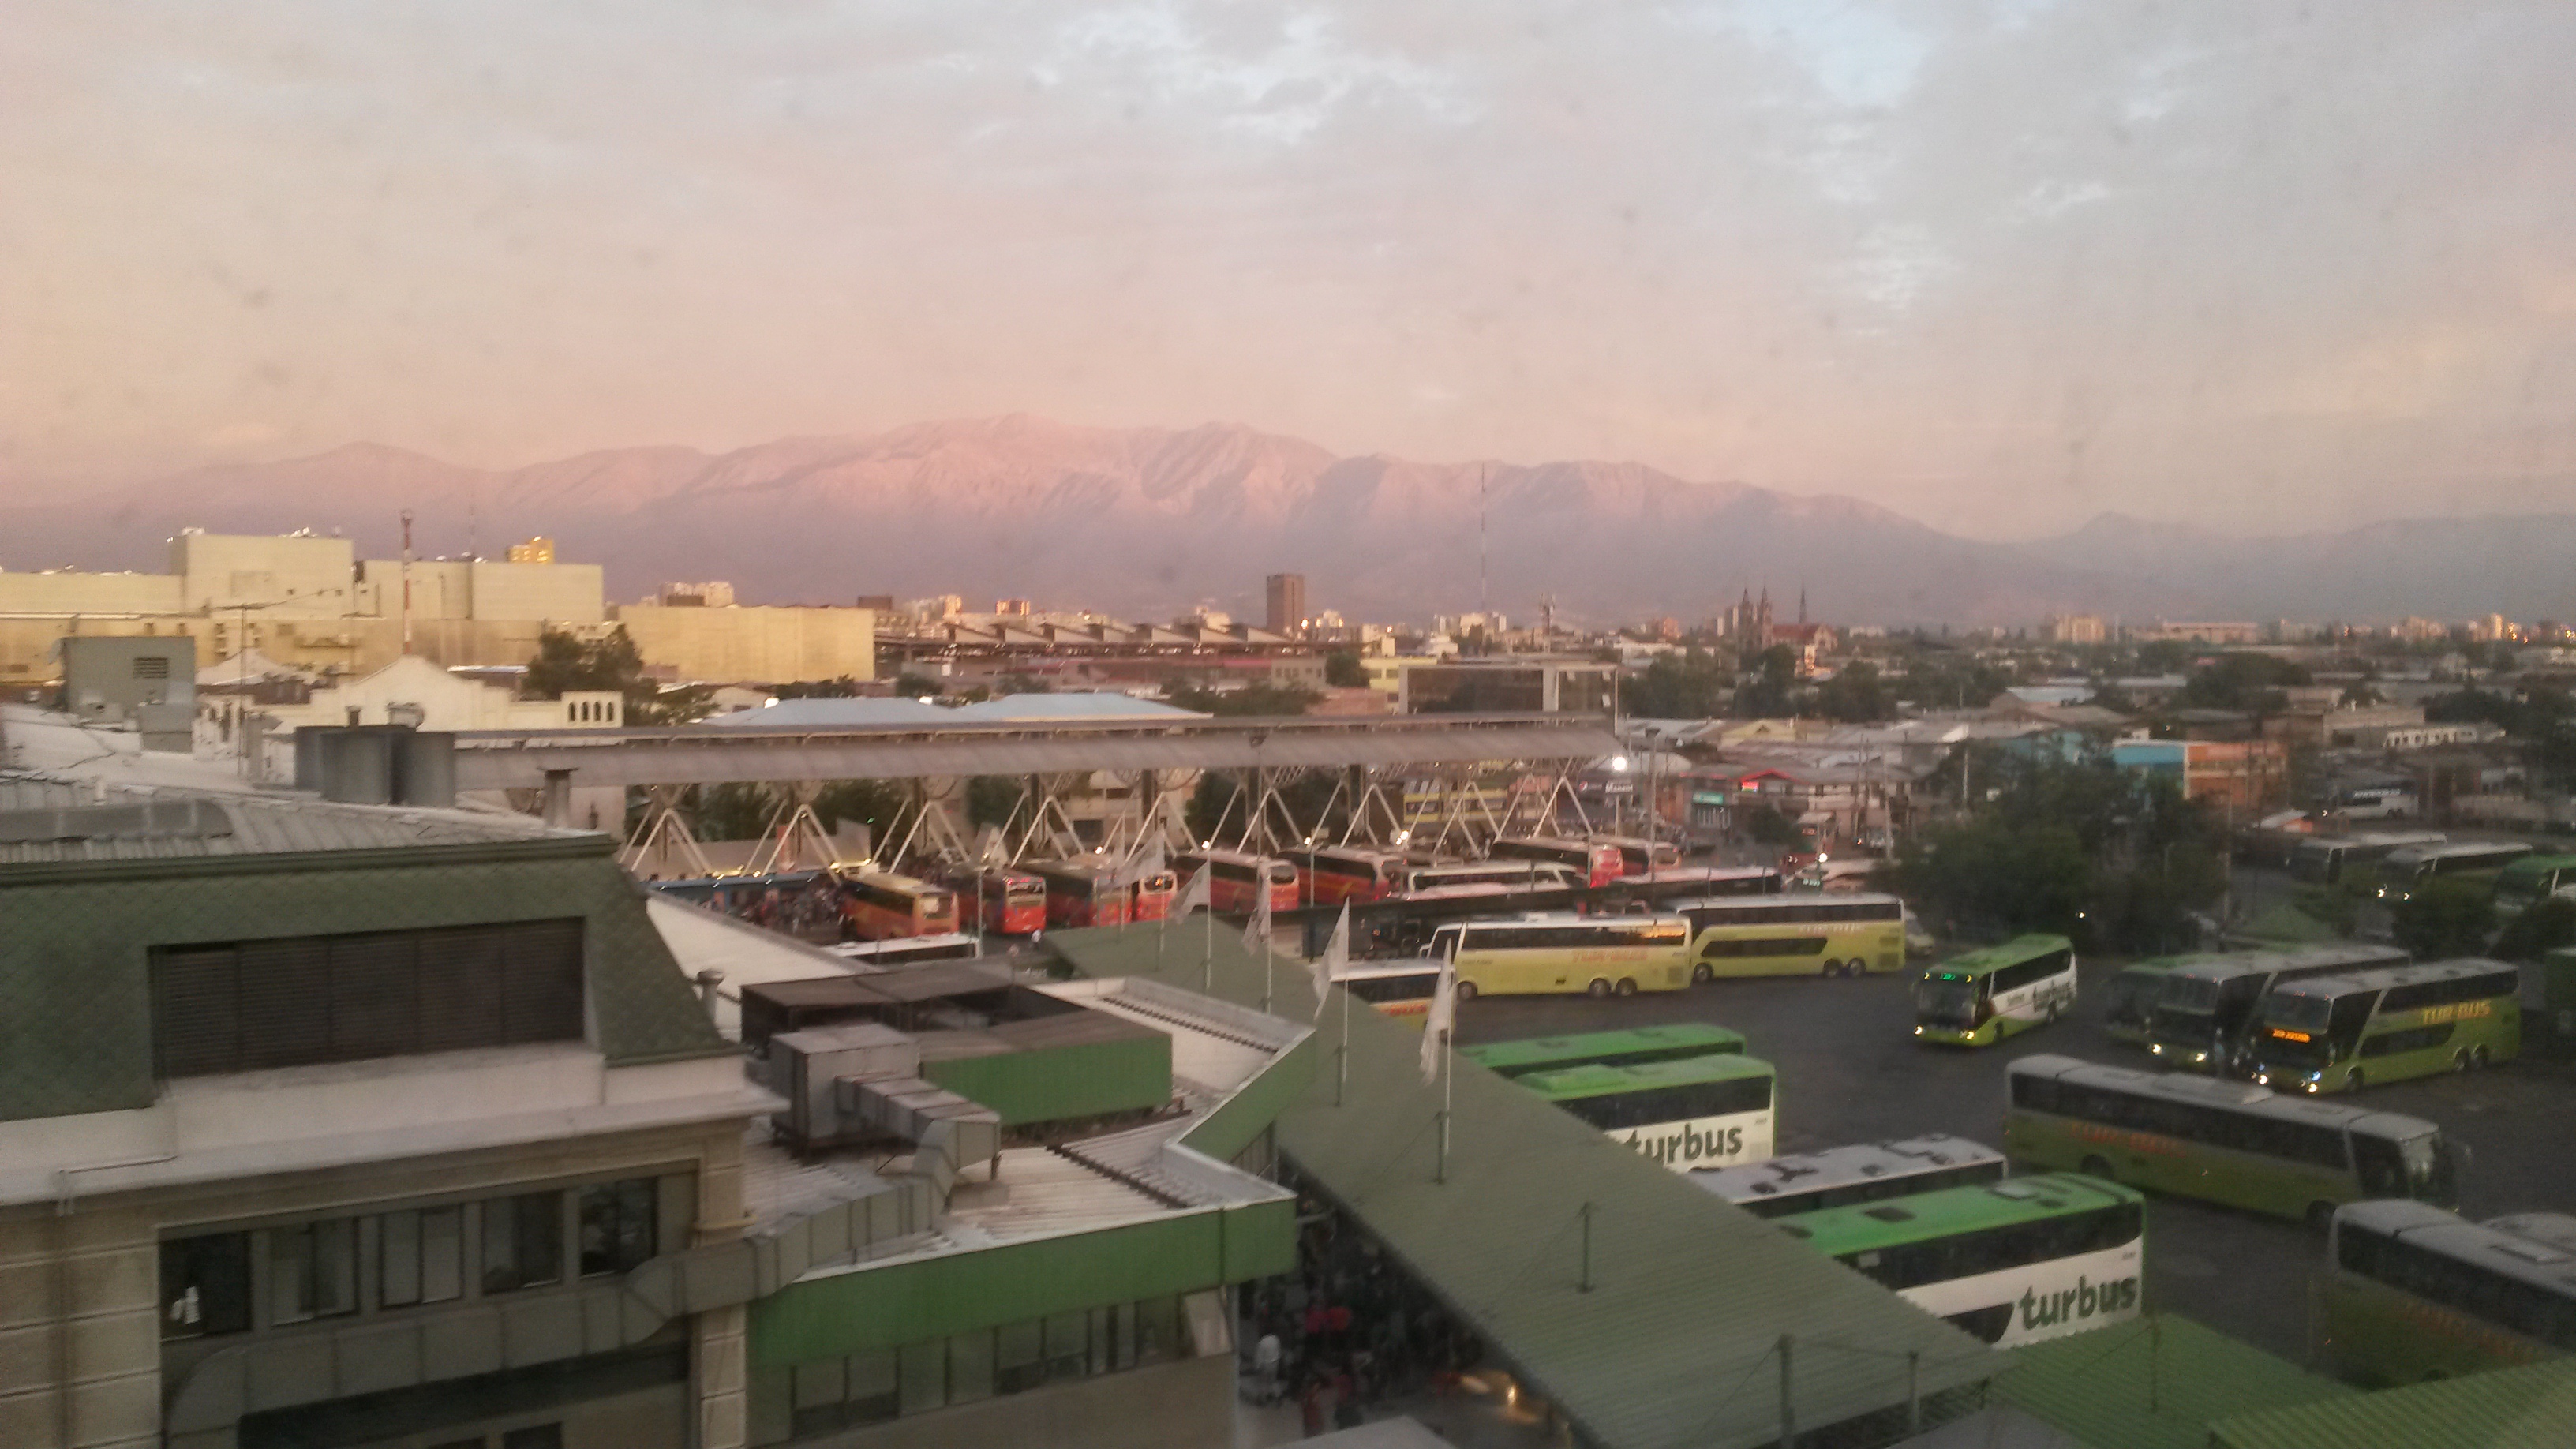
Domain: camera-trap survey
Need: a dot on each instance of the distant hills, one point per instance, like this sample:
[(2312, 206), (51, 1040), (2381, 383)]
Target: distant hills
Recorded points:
[(1148, 521)]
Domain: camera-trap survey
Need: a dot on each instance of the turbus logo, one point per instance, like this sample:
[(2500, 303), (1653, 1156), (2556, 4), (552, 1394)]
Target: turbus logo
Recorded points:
[(1688, 1143), (2086, 1299)]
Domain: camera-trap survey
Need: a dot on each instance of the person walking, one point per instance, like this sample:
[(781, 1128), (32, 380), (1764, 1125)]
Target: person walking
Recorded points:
[(1265, 1370)]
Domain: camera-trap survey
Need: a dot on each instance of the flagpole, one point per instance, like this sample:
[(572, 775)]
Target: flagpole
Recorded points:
[(1440, 1173), (1207, 958), (1342, 1053)]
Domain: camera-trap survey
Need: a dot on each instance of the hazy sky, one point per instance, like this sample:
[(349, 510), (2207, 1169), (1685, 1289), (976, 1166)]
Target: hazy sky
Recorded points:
[(1998, 265)]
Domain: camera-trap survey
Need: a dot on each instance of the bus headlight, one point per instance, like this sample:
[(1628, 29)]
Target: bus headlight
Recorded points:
[(2156, 1048), (1918, 1031), (2262, 1079)]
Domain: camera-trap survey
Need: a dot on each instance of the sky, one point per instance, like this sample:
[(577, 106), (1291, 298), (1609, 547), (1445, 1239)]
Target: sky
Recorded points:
[(1997, 264)]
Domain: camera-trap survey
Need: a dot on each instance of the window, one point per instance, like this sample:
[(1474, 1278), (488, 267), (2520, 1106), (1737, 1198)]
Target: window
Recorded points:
[(205, 1285), (420, 1254), (312, 1270), (617, 1225), (2413, 1039), (152, 666), (522, 1241), (259, 1004)]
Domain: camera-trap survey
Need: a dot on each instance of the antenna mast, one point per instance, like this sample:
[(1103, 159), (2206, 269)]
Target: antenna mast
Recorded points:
[(406, 582)]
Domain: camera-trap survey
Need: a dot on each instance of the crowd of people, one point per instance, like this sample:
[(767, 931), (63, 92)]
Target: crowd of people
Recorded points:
[(1346, 1332)]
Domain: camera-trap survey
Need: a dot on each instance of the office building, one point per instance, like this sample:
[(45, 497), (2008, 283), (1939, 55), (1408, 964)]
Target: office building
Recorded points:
[(1286, 597)]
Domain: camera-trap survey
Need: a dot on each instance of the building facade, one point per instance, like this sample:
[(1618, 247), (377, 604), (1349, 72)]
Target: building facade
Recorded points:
[(1285, 595)]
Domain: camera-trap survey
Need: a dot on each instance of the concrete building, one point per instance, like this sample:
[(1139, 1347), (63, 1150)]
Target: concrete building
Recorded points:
[(750, 642), (121, 681), (1514, 683), (2076, 629), (538, 550), (1285, 595), (2242, 777), (2237, 632)]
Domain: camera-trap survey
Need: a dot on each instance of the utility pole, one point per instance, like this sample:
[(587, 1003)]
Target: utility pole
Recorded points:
[(406, 581)]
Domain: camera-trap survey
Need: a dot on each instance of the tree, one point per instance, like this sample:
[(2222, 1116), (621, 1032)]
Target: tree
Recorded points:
[(730, 811), (2247, 683), (1855, 696), (1688, 685), (875, 804), (1343, 670), (1209, 804), (842, 688), (1775, 675), (566, 661), (2446, 918), (990, 799), (2543, 927), (916, 686), (1763, 824)]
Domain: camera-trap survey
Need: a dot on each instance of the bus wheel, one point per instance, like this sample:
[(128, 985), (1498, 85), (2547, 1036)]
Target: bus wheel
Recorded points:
[(2353, 1081), (1831, 968), (2460, 1060), (1599, 987), (1627, 986), (1701, 975), (2478, 1058), (2096, 1167), (1466, 991)]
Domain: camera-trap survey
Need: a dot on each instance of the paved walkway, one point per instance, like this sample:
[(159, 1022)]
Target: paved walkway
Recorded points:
[(1482, 1414)]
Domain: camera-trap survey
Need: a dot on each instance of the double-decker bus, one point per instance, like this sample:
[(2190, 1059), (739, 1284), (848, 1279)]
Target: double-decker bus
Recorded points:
[(1640, 858), (2327, 859), (1675, 1041), (1593, 862), (2206, 1006), (2531, 880), (1504, 877), (1599, 955), (1794, 935), (1400, 989), (2344, 1032), (2009, 1262), (1003, 902), (1862, 1172), (1703, 1111), (1328, 875), (2129, 1008), (2228, 1142), (2403, 872), (880, 905), (1236, 880), (1984, 996), (2413, 1292), (1081, 893)]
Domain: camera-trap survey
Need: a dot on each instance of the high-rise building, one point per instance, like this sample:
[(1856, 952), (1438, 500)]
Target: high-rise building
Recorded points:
[(538, 550), (1287, 600)]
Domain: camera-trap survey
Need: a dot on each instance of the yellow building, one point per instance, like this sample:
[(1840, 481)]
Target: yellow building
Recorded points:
[(742, 642)]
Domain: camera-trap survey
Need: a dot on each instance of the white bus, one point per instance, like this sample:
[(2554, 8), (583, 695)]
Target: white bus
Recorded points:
[(1400, 989), (1515, 877), (1599, 955), (1686, 1113), (1862, 1172), (2012, 1262)]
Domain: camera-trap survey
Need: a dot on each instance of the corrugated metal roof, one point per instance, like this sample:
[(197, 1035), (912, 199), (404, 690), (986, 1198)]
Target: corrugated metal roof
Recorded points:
[(829, 714), (172, 823), (1073, 705), (2152, 1384), (505, 760), (2532, 1407), (1676, 1343)]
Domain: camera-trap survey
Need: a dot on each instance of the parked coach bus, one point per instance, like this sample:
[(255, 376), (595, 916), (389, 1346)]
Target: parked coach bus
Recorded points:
[(1081, 893), (1639, 858), (1593, 862), (2332, 1033), (1150, 899), (1400, 989), (1600, 955), (1675, 1041), (2227, 1142), (879, 906), (2401, 873), (1705, 1111), (1984, 996), (2129, 1013), (1864, 1172), (2327, 859), (1003, 902), (1331, 874), (2011, 1262), (1504, 877), (2531, 880), (2206, 1006), (2413, 1292), (1236, 880), (1794, 935)]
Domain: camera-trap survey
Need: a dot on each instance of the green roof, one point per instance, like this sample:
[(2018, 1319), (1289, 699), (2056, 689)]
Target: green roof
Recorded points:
[(1679, 1038), (1592, 1079), (1866, 1227), (2154, 1383), (1989, 959), (2531, 1407), (1677, 1342)]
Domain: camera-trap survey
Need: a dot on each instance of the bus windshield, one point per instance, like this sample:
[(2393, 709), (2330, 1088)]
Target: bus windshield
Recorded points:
[(2198, 994), (2310, 1014), (1946, 1002), (2432, 1169)]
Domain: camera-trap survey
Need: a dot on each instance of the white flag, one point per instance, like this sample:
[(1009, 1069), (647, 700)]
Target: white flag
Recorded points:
[(1194, 894), (1436, 1025), (1146, 864), (1336, 958), (1256, 932)]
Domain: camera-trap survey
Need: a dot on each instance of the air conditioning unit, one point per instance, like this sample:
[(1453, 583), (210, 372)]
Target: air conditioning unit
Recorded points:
[(802, 1067)]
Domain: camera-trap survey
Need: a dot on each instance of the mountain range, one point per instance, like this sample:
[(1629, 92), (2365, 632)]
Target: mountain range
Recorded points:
[(1145, 522)]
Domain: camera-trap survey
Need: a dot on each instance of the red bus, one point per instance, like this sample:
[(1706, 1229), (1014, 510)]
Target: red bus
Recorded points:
[(1594, 862), (1637, 857), (1081, 893), (1234, 878), (1331, 874), (880, 906), (1153, 898), (1007, 902)]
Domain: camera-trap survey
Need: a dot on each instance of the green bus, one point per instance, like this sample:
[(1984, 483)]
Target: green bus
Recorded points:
[(1672, 1042), (1704, 1111), (2129, 1014), (2401, 873), (1843, 934), (1598, 955), (2531, 880), (2413, 1292), (2205, 1009), (1984, 996), (2226, 1142), (2011, 1262), (2348, 1031)]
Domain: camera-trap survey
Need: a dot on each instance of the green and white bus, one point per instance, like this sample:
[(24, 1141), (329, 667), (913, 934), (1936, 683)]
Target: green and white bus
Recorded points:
[(1674, 1041), (1848, 934), (2531, 880), (2013, 1262), (1706, 1111), (2342, 1033), (2327, 859), (1984, 996), (2415, 1293), (2206, 1006), (2401, 873), (1599, 955), (1861, 1173), (2129, 1013), (2226, 1142)]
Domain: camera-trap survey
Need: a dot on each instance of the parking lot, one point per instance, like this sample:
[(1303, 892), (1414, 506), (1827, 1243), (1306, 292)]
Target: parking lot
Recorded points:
[(1851, 1071)]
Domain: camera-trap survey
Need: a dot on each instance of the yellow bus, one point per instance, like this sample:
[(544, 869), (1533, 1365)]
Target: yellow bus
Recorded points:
[(1598, 955), (1795, 935)]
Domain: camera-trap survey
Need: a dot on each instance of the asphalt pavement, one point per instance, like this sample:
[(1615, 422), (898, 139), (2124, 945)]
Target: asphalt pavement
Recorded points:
[(1851, 1071)]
